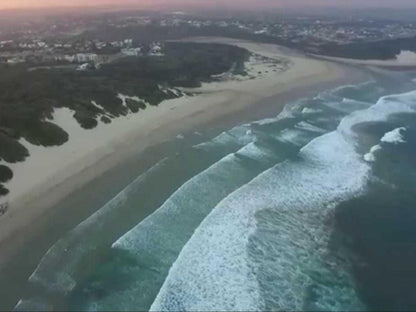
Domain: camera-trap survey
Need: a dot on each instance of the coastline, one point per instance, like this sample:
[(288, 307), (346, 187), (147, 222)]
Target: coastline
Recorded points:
[(215, 107), (402, 63)]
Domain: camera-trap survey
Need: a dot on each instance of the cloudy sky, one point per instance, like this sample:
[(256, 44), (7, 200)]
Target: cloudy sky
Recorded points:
[(239, 3)]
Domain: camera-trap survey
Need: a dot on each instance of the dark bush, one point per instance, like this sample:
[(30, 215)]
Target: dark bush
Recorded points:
[(142, 105), (134, 106), (105, 119), (85, 120), (9, 132), (6, 174), (45, 133), (3, 191), (11, 150)]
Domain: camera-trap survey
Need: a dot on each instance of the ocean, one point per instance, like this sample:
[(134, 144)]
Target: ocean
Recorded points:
[(313, 209)]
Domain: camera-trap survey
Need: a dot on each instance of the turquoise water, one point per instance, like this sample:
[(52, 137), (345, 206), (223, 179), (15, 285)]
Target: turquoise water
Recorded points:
[(258, 218)]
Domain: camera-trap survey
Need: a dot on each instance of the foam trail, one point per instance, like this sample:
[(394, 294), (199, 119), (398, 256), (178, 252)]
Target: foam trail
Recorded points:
[(157, 240), (365, 92), (394, 137), (224, 265), (55, 270), (308, 127), (371, 155), (347, 106), (32, 305), (58, 268), (237, 136), (213, 271), (385, 107)]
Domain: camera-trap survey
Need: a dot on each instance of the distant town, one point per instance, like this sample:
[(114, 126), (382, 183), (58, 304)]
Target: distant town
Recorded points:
[(85, 53), (86, 42)]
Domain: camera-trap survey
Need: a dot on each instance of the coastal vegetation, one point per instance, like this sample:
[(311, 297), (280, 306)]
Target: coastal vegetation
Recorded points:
[(376, 50), (6, 174), (29, 97)]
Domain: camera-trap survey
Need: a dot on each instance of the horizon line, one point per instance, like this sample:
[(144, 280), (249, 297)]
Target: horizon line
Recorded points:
[(193, 5)]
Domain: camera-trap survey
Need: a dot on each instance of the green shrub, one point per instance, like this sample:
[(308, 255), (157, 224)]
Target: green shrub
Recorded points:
[(45, 133), (3, 191), (6, 174), (134, 106), (105, 119), (142, 105), (85, 120), (11, 150)]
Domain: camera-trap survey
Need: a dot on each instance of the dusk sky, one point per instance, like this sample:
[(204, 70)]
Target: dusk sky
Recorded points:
[(6, 4)]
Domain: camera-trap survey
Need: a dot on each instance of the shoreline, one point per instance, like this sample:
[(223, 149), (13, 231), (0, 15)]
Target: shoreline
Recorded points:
[(398, 64), (218, 106)]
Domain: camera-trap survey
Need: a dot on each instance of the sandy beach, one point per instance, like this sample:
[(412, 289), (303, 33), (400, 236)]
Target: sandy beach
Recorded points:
[(50, 175)]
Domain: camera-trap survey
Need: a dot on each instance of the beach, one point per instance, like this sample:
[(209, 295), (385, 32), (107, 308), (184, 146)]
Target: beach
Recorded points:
[(93, 161)]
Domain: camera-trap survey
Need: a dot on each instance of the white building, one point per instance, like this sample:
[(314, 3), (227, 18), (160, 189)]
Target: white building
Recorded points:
[(128, 42), (83, 67), (156, 49), (131, 51), (85, 57)]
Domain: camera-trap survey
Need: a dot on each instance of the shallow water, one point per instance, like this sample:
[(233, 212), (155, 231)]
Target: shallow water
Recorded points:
[(258, 218)]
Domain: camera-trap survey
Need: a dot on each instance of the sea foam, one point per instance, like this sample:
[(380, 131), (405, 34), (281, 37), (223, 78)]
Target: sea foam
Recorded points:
[(157, 241), (223, 265), (394, 137), (57, 271), (385, 107), (214, 271)]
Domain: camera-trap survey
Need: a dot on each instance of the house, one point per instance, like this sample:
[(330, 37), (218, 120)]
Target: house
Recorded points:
[(131, 51), (85, 57), (156, 49)]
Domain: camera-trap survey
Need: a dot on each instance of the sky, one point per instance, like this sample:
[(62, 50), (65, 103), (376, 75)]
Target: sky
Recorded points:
[(10, 4)]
